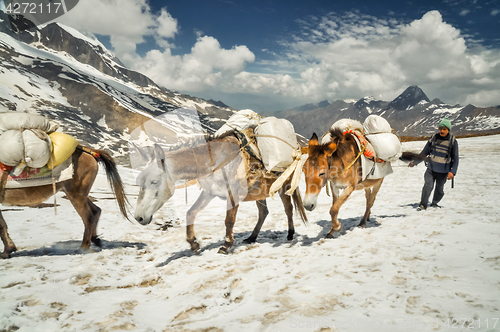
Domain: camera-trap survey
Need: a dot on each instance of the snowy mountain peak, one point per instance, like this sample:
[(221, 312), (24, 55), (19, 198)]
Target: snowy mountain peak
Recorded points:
[(412, 96)]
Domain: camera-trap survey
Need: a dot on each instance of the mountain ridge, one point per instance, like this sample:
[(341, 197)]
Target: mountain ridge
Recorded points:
[(411, 113)]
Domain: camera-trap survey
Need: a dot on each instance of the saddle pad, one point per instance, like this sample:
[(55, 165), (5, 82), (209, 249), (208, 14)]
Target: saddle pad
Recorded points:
[(372, 170), (33, 177)]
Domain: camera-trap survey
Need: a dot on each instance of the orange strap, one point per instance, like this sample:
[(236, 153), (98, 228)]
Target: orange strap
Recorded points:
[(6, 168)]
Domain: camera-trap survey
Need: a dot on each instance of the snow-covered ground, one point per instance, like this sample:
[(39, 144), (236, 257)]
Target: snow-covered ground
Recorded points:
[(408, 271)]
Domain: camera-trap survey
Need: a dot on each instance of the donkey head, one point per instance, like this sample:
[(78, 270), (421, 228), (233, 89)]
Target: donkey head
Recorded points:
[(156, 185), (315, 169)]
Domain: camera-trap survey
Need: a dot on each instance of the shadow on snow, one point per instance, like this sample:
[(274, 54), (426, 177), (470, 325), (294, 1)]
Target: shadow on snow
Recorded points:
[(72, 248), (278, 238)]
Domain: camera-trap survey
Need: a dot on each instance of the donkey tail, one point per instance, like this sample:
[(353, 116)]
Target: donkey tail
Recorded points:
[(299, 206), (113, 176), (408, 156)]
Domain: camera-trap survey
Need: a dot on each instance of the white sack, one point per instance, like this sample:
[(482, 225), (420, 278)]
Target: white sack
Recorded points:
[(240, 120), (387, 146), (11, 153), (347, 124), (20, 120), (18, 146), (375, 124), (36, 151), (271, 133)]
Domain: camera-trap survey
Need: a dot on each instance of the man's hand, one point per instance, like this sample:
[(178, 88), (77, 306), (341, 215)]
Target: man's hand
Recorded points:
[(450, 175)]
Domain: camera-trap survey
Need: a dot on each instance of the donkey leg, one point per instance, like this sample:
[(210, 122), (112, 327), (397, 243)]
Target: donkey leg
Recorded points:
[(366, 216), (96, 211), (230, 220), (199, 205), (334, 210), (8, 244), (371, 194), (90, 217), (287, 203), (263, 212)]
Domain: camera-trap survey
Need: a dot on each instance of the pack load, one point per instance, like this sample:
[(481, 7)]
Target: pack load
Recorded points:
[(240, 120), (277, 143), (347, 125), (379, 133), (27, 140), (350, 126)]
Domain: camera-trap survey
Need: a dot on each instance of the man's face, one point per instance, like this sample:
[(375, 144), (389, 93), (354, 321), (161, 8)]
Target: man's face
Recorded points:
[(443, 131)]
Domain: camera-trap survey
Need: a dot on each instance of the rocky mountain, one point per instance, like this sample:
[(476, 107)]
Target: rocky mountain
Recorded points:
[(410, 114), (58, 72)]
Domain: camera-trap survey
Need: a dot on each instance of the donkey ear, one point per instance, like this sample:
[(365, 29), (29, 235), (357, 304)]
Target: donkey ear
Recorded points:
[(332, 147), (159, 153), (143, 153), (314, 140)]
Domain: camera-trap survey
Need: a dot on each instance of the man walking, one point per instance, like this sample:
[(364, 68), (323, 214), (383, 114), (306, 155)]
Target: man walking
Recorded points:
[(442, 149)]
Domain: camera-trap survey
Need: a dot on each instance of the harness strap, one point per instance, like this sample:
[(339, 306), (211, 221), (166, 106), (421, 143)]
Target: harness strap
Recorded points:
[(363, 148), (96, 155)]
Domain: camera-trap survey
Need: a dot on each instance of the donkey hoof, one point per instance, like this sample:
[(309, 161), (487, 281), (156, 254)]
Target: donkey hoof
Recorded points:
[(97, 241), (83, 251), (7, 251), (362, 225), (195, 247), (289, 237), (329, 236), (223, 250), (249, 240), (5, 255)]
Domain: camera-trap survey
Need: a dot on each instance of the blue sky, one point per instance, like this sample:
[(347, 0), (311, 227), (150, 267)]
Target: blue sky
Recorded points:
[(271, 55)]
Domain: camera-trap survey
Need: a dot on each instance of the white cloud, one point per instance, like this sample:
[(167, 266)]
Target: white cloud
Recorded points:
[(484, 98), (495, 12), (126, 21), (357, 55), (206, 66), (167, 25), (335, 56)]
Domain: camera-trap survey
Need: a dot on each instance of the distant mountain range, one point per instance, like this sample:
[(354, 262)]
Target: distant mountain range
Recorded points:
[(410, 114)]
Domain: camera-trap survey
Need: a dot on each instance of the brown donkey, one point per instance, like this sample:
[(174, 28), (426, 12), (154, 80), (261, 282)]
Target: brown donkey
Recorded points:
[(338, 162), (85, 163)]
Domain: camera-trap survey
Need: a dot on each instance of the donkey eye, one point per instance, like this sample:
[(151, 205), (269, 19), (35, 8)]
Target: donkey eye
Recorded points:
[(322, 174), (155, 182)]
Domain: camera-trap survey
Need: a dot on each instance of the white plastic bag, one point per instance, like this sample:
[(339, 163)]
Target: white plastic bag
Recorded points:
[(277, 142), (24, 146), (375, 124), (387, 146), (20, 120), (347, 124), (240, 120)]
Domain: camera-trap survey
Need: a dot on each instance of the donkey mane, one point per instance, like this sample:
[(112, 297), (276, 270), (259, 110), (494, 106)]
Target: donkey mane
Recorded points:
[(342, 141)]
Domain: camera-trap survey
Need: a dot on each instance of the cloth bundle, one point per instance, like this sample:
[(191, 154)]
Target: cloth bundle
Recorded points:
[(30, 140), (240, 120), (24, 139), (379, 133)]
